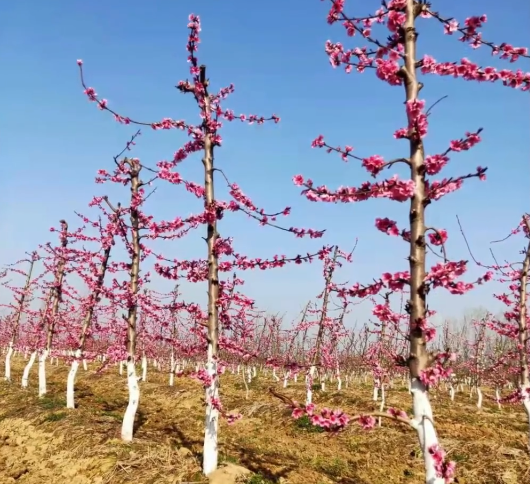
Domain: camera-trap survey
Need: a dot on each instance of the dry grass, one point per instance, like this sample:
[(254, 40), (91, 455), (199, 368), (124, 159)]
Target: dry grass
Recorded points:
[(43, 443)]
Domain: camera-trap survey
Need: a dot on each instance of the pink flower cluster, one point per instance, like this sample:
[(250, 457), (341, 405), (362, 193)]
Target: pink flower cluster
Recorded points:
[(417, 126), (432, 375), (203, 376), (444, 469), (330, 420)]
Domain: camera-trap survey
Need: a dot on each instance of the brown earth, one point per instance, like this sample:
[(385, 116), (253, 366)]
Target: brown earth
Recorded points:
[(41, 442)]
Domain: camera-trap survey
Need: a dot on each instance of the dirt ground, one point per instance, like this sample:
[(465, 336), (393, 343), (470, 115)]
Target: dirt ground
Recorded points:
[(43, 442)]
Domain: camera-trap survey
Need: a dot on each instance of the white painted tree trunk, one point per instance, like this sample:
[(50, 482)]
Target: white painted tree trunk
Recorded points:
[(127, 427), (42, 373), (70, 381), (144, 368), (70, 385), (309, 385), (375, 395), (245, 383), (172, 370), (274, 375), (383, 402), (85, 365), (286, 380), (452, 392), (479, 398), (27, 368), (9, 354), (121, 367), (211, 424), (526, 405), (424, 424)]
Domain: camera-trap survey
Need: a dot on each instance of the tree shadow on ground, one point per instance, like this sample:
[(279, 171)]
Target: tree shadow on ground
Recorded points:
[(257, 464)]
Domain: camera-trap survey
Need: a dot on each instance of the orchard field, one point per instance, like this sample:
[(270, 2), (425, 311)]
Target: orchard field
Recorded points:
[(44, 442), (184, 319)]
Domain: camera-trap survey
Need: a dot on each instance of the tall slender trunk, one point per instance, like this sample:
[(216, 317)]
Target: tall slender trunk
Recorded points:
[(94, 299), (321, 326), (56, 301), (127, 427), (335, 349), (378, 380), (172, 362), (16, 323), (210, 450), (29, 365), (479, 362), (524, 336), (419, 357)]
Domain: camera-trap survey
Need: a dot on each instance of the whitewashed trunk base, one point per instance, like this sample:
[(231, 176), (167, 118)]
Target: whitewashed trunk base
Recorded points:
[(8, 363), (210, 453), (70, 384), (42, 373), (27, 369), (127, 427), (424, 424)]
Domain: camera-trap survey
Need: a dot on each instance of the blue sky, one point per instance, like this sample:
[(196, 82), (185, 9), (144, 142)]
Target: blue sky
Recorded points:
[(54, 140)]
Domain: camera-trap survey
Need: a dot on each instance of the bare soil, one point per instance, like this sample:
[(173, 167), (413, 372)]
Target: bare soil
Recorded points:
[(41, 442)]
